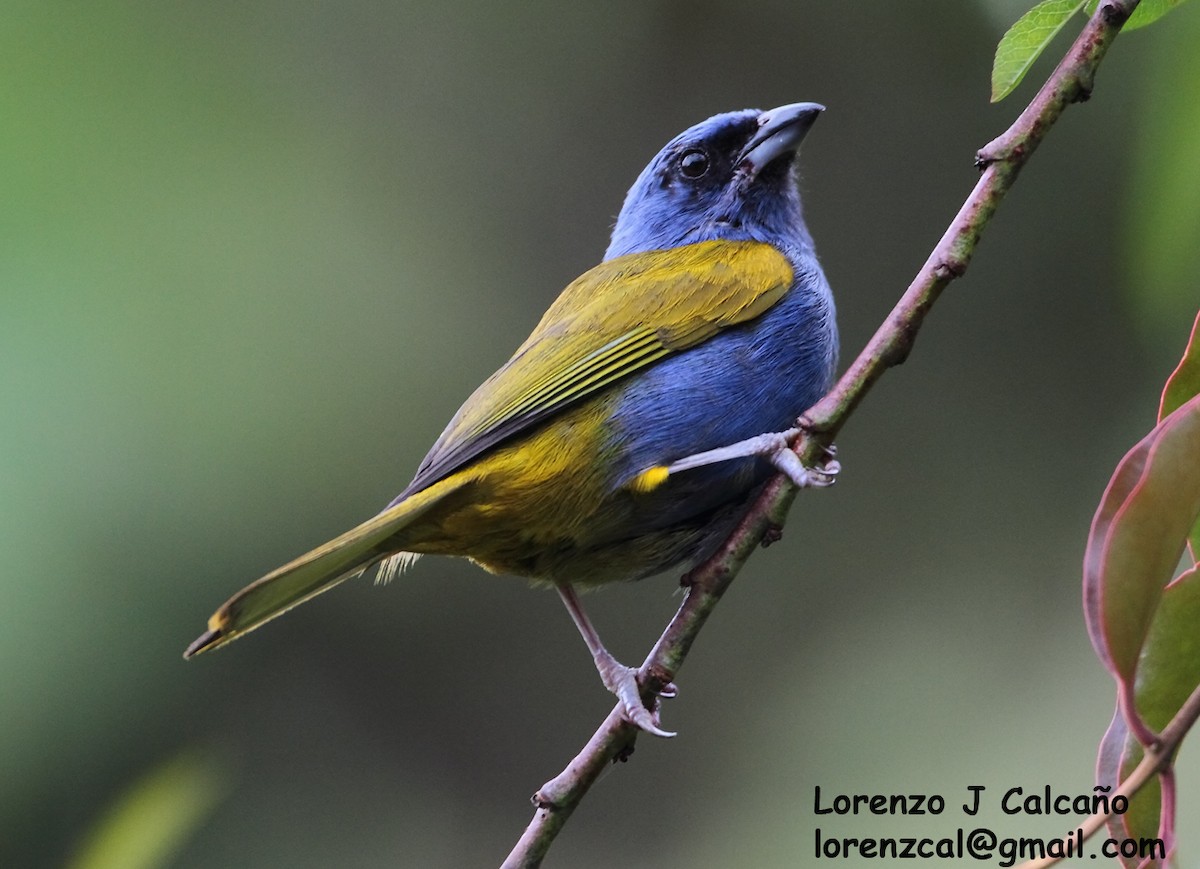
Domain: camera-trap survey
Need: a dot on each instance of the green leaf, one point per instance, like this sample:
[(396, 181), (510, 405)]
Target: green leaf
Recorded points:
[(1148, 12), (150, 822), (1137, 536), (1169, 669), (1182, 385), (1167, 674), (1184, 382), (1025, 41), (1119, 755)]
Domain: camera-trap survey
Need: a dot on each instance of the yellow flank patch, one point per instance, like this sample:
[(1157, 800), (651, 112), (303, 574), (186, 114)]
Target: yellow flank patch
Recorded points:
[(218, 621), (650, 479)]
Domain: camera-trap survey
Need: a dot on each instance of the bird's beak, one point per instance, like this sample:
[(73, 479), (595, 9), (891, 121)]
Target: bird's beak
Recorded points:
[(780, 132)]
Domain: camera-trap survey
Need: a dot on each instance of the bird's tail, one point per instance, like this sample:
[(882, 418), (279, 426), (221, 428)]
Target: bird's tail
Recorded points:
[(322, 569)]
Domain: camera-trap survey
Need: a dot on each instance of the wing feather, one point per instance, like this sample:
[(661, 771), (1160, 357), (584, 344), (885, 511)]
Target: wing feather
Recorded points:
[(618, 318)]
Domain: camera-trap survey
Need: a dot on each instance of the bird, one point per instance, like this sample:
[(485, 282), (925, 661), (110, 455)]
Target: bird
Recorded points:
[(632, 429)]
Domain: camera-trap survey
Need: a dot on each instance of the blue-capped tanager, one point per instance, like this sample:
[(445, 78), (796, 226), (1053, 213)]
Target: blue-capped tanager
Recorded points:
[(622, 438)]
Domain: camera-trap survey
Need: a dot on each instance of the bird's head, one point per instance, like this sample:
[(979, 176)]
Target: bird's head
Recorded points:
[(730, 177)]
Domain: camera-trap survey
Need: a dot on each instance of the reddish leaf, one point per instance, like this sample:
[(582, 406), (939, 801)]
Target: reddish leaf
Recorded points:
[(1138, 535), (1167, 674), (1119, 754), (1183, 384)]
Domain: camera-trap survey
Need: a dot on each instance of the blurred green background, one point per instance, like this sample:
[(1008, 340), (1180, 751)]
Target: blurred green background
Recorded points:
[(254, 256)]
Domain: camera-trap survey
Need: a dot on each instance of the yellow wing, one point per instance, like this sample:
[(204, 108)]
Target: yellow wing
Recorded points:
[(615, 319)]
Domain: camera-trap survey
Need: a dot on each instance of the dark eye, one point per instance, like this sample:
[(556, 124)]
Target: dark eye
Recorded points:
[(693, 163)]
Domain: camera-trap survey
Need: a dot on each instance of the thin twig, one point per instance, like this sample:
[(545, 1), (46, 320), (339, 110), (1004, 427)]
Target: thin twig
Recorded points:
[(1000, 161), (1156, 759)]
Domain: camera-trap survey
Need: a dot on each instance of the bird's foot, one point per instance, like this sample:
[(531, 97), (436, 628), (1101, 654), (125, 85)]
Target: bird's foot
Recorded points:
[(622, 681), (785, 460), (775, 448)]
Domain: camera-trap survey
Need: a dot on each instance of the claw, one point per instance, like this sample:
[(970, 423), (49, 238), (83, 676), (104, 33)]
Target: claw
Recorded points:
[(622, 681), (789, 463)]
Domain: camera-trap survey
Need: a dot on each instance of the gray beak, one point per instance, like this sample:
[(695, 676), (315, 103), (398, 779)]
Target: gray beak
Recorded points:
[(780, 132)]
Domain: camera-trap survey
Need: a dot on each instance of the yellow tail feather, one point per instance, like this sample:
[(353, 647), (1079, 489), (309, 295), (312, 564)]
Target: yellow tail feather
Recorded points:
[(321, 569)]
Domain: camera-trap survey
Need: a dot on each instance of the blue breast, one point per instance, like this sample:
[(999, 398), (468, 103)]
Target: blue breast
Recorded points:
[(750, 379)]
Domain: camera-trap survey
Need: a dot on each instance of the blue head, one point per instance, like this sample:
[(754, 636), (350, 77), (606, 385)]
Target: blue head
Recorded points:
[(730, 177)]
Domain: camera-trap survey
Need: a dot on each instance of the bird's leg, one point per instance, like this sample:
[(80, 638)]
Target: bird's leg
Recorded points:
[(617, 678), (773, 447)]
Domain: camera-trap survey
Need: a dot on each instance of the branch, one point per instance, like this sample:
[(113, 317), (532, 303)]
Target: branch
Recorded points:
[(1158, 758), (1000, 161)]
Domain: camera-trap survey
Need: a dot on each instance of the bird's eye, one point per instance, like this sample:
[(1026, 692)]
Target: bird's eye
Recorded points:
[(693, 163)]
